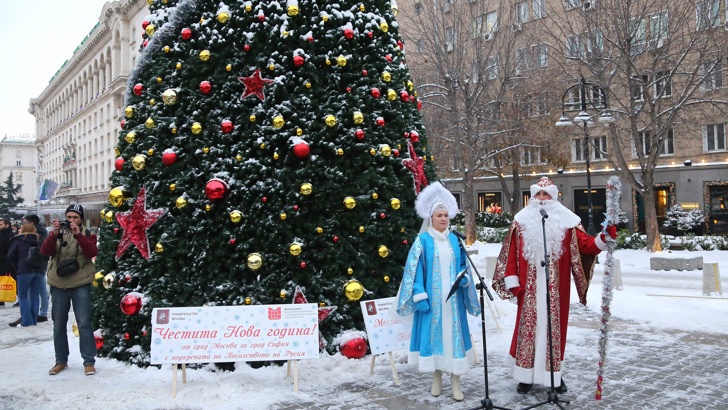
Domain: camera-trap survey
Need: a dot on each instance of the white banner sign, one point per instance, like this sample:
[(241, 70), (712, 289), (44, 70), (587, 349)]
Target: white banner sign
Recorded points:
[(384, 328), (235, 333)]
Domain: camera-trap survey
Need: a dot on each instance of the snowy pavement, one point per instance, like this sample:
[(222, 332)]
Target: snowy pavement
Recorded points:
[(664, 352)]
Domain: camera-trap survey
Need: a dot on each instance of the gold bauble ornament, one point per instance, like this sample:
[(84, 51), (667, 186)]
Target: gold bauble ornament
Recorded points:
[(386, 279), (349, 202), (373, 151), (130, 137), (99, 276), (319, 230), (149, 123), (285, 34), (252, 118), (167, 49), (109, 216), (206, 150), (383, 251), (278, 122), (385, 150), (205, 55), (255, 261), (152, 101), (275, 156), (181, 202), (306, 189), (308, 84), (384, 26), (395, 9), (361, 229), (248, 8), (402, 230), (238, 158), (292, 10), (272, 67), (139, 162), (172, 187), (375, 195), (116, 196), (159, 248), (229, 67), (108, 280), (386, 77), (196, 128), (223, 17), (353, 290), (248, 301), (391, 95), (173, 130), (208, 208), (325, 18), (150, 30), (330, 120), (328, 62), (236, 217), (283, 216), (299, 132), (178, 66), (159, 79), (322, 304), (358, 117), (283, 294), (339, 152), (262, 146), (394, 202), (129, 112), (350, 271), (341, 61), (410, 85), (117, 151), (169, 96), (150, 152), (362, 8), (294, 249)]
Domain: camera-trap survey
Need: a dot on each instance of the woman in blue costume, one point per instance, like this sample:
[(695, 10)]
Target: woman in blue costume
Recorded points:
[(440, 336)]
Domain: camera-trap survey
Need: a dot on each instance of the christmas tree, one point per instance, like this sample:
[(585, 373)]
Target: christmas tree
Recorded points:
[(264, 148)]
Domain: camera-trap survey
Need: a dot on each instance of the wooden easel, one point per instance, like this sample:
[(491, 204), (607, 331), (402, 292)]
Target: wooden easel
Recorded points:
[(391, 363), (174, 377), (295, 374)]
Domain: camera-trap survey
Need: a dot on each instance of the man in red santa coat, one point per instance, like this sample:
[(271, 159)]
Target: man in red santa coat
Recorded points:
[(519, 274)]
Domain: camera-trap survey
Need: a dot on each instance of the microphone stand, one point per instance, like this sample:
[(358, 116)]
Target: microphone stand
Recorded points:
[(486, 403), (553, 397)]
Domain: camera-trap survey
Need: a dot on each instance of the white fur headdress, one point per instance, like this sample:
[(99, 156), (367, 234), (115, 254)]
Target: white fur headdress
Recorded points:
[(545, 184), (433, 197)]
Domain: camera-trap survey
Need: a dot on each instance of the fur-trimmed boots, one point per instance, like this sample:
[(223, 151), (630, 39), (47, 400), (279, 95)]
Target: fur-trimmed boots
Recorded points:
[(457, 388), (436, 383)]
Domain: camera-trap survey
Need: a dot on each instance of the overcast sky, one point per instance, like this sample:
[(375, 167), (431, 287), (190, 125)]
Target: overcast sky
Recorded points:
[(36, 37)]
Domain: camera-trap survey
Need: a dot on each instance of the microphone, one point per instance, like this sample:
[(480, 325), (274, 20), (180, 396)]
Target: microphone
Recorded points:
[(457, 233), (543, 213)]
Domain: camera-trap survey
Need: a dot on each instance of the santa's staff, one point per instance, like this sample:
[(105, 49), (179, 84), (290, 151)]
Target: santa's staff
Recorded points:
[(614, 189)]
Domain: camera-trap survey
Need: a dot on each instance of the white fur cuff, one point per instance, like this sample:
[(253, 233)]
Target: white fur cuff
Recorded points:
[(512, 281), (599, 242), (420, 296)]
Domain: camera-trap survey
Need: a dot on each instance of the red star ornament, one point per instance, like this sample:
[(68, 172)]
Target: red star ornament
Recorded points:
[(323, 312), (135, 224), (416, 165), (254, 85)]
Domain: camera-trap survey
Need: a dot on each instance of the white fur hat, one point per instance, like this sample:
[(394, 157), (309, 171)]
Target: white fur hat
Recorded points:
[(433, 198), (545, 184)]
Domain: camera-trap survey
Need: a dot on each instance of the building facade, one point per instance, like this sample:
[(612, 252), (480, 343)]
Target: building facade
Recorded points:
[(17, 157), (525, 56), (77, 114)]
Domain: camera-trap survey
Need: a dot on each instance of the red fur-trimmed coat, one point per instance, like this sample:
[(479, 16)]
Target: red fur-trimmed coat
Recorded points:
[(576, 260)]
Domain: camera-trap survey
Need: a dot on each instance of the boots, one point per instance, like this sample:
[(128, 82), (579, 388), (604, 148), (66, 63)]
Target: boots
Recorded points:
[(457, 388), (436, 383)]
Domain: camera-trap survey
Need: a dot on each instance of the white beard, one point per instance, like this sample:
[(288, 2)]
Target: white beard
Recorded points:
[(559, 221)]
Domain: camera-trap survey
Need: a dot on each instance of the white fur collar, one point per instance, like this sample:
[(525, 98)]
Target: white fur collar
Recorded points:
[(435, 234)]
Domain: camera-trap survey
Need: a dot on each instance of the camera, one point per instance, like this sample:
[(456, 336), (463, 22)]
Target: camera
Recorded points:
[(65, 224)]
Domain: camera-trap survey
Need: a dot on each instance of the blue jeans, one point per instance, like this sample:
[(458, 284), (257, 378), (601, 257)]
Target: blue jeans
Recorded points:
[(29, 297), (43, 297), (80, 297)]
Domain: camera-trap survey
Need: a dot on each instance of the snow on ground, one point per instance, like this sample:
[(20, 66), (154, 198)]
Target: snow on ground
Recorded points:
[(27, 353)]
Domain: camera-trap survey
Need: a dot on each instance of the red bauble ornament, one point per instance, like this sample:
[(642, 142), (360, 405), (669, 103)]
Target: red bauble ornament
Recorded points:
[(227, 126), (348, 33), (261, 16), (395, 152), (370, 34), (127, 336), (301, 150), (119, 164), (215, 189), (380, 121), (359, 134), (246, 47), (309, 38), (382, 215), (169, 157), (116, 230), (419, 105), (388, 57), (232, 241), (122, 123), (295, 207), (404, 96), (348, 89), (376, 93), (186, 34), (405, 242), (99, 342), (205, 87), (336, 239), (145, 43), (302, 265), (406, 134), (145, 23), (364, 73), (144, 333), (264, 199), (138, 88), (298, 60), (131, 304), (127, 278), (414, 136), (355, 348), (400, 45)]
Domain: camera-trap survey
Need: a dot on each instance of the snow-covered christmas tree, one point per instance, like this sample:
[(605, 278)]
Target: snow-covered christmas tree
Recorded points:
[(265, 146)]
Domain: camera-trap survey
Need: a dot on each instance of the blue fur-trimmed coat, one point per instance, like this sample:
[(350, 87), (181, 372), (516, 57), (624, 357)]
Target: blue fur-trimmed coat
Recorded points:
[(423, 274)]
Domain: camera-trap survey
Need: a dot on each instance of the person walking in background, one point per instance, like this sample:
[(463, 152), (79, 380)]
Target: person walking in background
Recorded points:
[(519, 274), (27, 262), (6, 233), (44, 295), (69, 243), (440, 336)]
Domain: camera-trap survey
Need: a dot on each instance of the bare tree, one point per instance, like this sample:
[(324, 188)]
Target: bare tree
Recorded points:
[(659, 62)]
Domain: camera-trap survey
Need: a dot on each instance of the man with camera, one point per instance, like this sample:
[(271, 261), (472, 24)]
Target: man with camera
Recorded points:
[(70, 273)]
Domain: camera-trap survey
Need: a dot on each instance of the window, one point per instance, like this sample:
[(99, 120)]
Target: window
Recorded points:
[(531, 156), (491, 22), (538, 105), (539, 8), (540, 55), (523, 59), (521, 12), (574, 47), (712, 74), (600, 148), (578, 45), (18, 176), (659, 28), (418, 9), (639, 85), (477, 26), (18, 163), (18, 154), (450, 38), (644, 143), (638, 32), (581, 147), (420, 46), (571, 4), (492, 69), (707, 14), (714, 137), (663, 86)]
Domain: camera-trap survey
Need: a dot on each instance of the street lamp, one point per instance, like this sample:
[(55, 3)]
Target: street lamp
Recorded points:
[(597, 98)]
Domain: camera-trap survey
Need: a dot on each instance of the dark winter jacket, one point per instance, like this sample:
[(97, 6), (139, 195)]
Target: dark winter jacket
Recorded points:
[(43, 234), (80, 247), (5, 236), (19, 246)]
